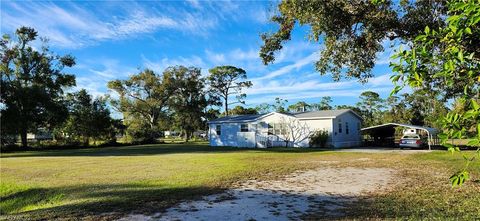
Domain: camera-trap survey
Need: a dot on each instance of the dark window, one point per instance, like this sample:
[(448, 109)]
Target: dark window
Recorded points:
[(270, 128), (339, 127), (243, 127), (219, 129), (346, 128)]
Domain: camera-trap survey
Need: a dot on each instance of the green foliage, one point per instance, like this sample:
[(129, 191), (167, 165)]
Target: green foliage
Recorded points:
[(319, 138), (446, 60), (325, 104), (239, 110), (263, 108), (279, 105), (88, 118), (143, 100), (299, 107), (32, 85), (371, 106), (226, 81), (353, 32), (189, 100)]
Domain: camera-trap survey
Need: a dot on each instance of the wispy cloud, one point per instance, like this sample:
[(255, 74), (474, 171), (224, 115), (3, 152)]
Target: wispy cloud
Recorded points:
[(94, 80), (160, 65), (75, 27), (266, 91), (289, 68)]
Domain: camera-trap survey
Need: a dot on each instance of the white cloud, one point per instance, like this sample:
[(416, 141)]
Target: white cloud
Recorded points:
[(215, 58), (75, 27), (289, 68), (95, 80), (266, 91), (160, 65)]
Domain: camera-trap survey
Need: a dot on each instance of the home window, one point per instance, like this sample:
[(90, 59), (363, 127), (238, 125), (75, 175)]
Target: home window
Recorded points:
[(346, 128), (243, 127), (270, 128), (280, 129), (218, 129), (340, 128)]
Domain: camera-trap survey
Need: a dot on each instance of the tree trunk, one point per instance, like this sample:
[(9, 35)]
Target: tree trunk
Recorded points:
[(85, 141), (186, 136), (226, 106), (23, 136)]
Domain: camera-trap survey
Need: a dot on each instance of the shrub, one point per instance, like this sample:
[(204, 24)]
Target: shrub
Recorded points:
[(319, 138)]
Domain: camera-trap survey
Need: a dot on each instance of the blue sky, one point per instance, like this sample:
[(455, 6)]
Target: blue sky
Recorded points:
[(114, 39)]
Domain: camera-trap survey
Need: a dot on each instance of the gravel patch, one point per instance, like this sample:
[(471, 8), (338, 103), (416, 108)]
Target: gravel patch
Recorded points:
[(319, 193)]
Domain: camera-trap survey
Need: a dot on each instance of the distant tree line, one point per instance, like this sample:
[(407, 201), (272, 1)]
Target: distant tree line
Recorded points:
[(35, 95)]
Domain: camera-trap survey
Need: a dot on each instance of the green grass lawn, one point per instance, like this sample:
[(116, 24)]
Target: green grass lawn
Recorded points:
[(110, 182)]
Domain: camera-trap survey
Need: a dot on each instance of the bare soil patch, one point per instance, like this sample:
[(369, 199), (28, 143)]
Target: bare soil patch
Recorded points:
[(322, 193)]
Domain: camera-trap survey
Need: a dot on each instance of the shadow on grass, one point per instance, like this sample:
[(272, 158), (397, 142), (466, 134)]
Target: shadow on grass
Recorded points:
[(95, 200), (109, 202), (151, 149)]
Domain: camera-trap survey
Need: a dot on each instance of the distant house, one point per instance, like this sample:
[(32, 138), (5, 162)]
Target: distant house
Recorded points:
[(280, 129), (40, 134)]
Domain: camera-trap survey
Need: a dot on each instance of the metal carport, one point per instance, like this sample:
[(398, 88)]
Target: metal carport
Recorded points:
[(389, 129)]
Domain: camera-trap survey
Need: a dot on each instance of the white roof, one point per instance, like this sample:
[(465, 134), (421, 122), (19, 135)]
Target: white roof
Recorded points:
[(429, 129), (302, 115), (324, 114)]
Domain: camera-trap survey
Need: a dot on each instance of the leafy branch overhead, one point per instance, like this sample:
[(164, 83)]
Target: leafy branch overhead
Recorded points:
[(447, 60), (353, 32)]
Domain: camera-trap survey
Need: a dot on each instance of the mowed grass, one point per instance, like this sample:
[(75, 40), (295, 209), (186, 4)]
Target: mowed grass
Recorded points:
[(110, 182)]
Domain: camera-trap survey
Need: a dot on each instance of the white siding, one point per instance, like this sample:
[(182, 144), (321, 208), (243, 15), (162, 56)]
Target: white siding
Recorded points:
[(228, 135), (257, 135), (353, 138), (318, 124)]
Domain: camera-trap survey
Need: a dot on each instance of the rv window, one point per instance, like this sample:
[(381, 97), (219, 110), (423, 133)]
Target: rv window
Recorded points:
[(219, 129), (243, 127), (346, 128)]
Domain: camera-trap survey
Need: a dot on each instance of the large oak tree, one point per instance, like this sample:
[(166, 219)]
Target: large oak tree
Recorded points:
[(353, 32), (32, 85), (143, 100)]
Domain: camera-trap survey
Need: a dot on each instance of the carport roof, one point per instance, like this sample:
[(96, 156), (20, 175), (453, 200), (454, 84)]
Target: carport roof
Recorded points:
[(429, 129)]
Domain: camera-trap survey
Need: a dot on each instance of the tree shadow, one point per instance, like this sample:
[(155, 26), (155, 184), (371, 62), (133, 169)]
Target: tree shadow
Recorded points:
[(152, 149), (113, 201), (84, 201), (109, 202)]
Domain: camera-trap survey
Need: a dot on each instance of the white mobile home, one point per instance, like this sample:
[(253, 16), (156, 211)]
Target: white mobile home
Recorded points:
[(281, 129)]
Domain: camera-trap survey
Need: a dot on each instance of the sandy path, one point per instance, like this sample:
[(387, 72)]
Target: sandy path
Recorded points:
[(324, 191)]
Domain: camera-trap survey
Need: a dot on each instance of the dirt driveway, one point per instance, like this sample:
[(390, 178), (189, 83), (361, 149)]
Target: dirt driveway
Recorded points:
[(324, 191)]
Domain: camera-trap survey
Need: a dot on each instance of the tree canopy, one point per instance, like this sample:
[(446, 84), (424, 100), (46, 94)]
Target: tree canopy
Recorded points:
[(143, 100), (446, 60), (32, 85), (225, 81), (189, 100), (353, 32), (88, 117), (239, 110)]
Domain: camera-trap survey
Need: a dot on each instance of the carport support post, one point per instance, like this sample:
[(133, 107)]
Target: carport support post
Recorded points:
[(428, 134)]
